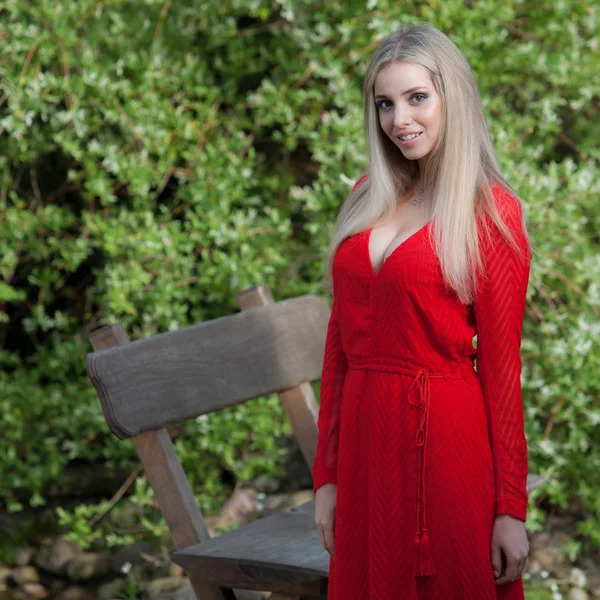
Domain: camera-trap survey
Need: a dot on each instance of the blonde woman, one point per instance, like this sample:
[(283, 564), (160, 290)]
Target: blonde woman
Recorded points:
[(421, 466)]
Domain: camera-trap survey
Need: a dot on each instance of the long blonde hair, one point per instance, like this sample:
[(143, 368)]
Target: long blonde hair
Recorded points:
[(460, 172)]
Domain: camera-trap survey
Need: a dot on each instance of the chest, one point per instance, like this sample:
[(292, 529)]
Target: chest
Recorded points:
[(384, 239)]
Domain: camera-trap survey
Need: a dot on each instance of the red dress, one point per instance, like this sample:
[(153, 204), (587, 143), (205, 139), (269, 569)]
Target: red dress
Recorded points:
[(425, 451)]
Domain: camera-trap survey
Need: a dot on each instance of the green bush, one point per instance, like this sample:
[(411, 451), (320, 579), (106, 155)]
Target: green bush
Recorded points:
[(161, 157)]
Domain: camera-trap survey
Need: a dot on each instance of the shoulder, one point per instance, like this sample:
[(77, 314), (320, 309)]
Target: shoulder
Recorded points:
[(508, 205), (511, 212), (360, 181)]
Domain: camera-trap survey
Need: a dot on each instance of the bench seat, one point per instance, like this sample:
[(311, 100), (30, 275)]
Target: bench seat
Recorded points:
[(282, 550)]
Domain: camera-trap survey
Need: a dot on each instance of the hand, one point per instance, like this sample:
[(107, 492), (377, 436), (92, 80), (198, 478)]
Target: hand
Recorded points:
[(509, 537), (325, 514)]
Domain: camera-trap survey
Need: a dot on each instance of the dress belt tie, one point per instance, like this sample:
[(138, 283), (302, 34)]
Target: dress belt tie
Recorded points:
[(424, 564)]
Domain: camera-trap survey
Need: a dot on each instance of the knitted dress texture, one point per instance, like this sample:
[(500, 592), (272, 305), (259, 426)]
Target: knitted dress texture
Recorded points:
[(424, 449)]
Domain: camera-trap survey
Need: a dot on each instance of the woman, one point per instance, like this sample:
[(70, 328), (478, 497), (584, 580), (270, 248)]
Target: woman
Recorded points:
[(421, 465)]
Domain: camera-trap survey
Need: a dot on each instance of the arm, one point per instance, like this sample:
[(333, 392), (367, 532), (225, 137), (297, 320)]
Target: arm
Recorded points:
[(499, 307), (333, 375)]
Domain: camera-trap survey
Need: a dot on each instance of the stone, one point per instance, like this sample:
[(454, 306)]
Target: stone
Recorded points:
[(111, 589), (263, 483), (274, 503), (562, 571), (176, 571), (578, 594), (533, 567), (89, 565), (301, 497), (250, 595), (54, 557), (296, 473), (241, 508), (186, 592), (76, 592), (553, 541), (539, 540), (578, 578), (22, 556), (4, 575), (145, 571), (162, 585), (281, 502), (57, 586), (544, 557), (23, 575), (210, 522), (34, 590), (130, 555)]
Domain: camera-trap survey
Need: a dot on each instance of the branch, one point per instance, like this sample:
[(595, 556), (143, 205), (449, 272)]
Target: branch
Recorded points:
[(113, 501)]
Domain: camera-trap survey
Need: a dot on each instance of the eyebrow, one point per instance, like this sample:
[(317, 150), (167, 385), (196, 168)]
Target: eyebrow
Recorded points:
[(419, 87)]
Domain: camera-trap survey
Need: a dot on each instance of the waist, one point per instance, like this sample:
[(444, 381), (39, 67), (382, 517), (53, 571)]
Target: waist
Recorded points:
[(458, 370)]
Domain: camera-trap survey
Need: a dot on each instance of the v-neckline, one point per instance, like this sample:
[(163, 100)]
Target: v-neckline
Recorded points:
[(400, 245)]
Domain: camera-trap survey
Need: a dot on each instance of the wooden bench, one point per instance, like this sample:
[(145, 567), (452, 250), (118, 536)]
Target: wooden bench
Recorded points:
[(146, 385)]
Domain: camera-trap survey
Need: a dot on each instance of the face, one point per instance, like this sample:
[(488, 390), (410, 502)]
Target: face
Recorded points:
[(408, 104)]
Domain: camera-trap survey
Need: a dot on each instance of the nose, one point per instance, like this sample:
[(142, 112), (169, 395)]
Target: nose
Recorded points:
[(402, 117)]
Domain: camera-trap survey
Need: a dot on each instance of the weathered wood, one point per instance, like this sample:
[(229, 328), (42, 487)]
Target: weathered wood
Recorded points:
[(109, 336), (281, 552), (171, 488), (209, 366), (168, 481), (534, 481), (299, 401)]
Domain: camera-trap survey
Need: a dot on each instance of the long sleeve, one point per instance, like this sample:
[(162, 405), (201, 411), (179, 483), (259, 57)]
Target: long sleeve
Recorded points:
[(499, 307), (333, 376)]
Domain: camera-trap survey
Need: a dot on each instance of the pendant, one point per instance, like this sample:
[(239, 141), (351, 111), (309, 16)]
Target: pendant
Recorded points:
[(418, 198)]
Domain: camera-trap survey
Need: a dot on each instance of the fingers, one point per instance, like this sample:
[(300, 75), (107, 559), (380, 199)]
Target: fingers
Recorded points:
[(515, 566), (326, 535), (496, 560), (325, 520), (329, 539)]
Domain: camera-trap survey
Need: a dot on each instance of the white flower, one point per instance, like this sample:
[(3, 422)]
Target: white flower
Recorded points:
[(126, 568)]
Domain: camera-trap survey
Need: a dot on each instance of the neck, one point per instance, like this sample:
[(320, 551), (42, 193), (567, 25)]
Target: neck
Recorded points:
[(418, 179)]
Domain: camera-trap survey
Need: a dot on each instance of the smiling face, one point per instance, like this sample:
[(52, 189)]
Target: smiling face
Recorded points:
[(409, 109)]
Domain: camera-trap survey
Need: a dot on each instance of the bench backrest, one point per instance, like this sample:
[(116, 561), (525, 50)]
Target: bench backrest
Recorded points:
[(175, 376)]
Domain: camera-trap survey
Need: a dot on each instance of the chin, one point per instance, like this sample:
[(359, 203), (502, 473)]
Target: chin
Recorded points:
[(412, 155)]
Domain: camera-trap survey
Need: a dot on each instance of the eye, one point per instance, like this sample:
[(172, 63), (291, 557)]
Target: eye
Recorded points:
[(421, 97), (380, 104)]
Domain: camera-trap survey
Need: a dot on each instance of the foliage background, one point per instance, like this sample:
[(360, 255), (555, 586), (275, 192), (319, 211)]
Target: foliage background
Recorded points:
[(159, 157)]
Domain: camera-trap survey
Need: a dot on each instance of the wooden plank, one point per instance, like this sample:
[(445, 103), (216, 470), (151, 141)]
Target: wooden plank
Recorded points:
[(534, 481), (171, 488), (299, 401), (302, 410), (281, 549), (168, 481), (269, 349)]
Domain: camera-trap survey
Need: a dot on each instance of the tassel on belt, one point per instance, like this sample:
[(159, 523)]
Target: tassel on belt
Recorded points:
[(424, 564)]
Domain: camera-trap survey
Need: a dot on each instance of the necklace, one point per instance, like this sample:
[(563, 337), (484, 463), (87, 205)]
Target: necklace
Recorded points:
[(419, 197)]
